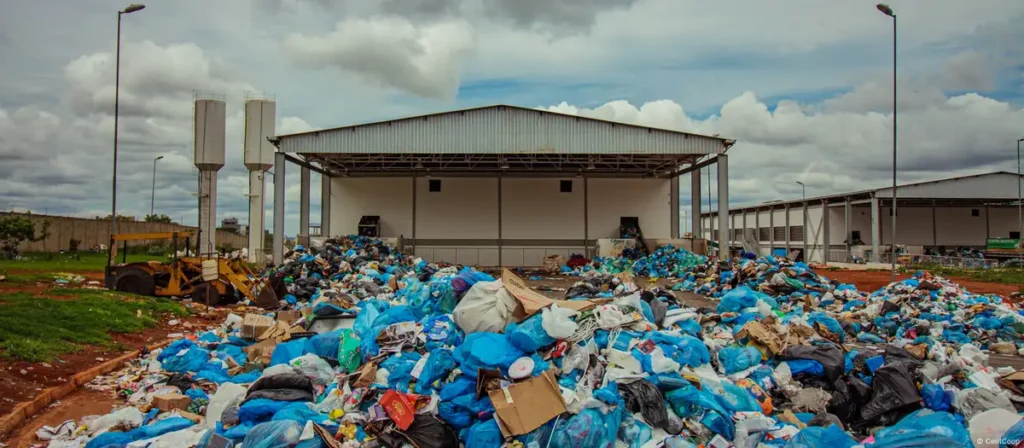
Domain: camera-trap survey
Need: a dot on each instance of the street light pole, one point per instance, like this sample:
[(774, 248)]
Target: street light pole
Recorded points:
[(152, 197), (117, 90), (803, 191), (885, 9)]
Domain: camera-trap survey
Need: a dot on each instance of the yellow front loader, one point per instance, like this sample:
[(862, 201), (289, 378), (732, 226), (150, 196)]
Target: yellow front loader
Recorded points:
[(183, 276)]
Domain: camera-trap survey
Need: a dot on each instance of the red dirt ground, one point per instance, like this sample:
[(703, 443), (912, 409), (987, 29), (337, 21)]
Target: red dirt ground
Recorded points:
[(873, 280), (78, 404)]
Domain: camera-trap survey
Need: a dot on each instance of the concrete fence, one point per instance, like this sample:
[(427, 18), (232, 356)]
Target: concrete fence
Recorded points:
[(92, 232)]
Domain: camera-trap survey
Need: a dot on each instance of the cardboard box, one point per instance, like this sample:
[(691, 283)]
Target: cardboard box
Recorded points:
[(171, 402), (260, 352), (254, 325), (288, 316), (523, 407)]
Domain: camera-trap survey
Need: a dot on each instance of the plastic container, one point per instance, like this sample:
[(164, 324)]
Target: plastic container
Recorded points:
[(210, 272)]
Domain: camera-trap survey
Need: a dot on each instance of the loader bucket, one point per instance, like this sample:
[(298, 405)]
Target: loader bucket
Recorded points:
[(266, 298)]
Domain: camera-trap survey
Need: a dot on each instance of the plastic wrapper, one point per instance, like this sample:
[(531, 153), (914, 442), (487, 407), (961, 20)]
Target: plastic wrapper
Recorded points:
[(273, 435), (736, 359), (486, 307), (924, 428)]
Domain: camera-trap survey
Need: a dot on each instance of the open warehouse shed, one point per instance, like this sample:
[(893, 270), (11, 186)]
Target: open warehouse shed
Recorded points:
[(497, 185), (942, 214)]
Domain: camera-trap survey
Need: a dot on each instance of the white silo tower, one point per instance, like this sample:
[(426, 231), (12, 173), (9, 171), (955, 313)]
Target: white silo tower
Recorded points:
[(260, 114), (210, 125)]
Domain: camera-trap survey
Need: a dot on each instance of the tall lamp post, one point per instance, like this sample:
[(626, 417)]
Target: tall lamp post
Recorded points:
[(117, 90), (152, 197), (885, 9), (803, 190)]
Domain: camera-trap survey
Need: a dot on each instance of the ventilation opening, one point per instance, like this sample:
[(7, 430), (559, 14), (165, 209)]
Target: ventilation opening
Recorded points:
[(975, 212), (565, 186), (435, 185)]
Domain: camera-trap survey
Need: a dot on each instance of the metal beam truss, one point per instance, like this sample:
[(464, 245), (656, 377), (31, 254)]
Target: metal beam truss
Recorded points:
[(663, 166)]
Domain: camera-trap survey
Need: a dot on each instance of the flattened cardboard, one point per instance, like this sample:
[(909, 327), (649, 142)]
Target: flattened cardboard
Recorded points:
[(523, 407), (1015, 376), (762, 335), (288, 316), (170, 402), (260, 351), (534, 301), (280, 332)]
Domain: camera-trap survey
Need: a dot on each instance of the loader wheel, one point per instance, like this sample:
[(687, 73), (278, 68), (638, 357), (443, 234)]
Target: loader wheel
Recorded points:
[(135, 281), (206, 293)]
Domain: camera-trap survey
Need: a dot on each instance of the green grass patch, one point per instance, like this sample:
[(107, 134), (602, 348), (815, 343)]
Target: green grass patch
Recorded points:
[(994, 275), (40, 329), (80, 262)]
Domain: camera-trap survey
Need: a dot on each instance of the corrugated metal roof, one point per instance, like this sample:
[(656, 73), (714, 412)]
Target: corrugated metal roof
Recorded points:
[(500, 129)]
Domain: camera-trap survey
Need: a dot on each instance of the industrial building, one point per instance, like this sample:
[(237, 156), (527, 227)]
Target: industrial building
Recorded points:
[(942, 214), (495, 186)]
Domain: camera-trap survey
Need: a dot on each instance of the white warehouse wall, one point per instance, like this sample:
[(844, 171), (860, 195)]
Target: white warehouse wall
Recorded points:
[(611, 199), (465, 208), (536, 209), (389, 198)]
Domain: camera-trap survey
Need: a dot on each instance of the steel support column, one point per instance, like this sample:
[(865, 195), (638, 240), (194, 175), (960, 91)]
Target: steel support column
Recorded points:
[(304, 201), (771, 231), (695, 218), (876, 231), (988, 229), (935, 228), (825, 218), (673, 203), (787, 229), (279, 168), (757, 230), (414, 182), (848, 218), (501, 243), (325, 206), (586, 219), (723, 207), (807, 250)]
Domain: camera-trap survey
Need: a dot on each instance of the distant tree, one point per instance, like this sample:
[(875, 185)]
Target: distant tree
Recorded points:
[(119, 218), (158, 218), (15, 230)]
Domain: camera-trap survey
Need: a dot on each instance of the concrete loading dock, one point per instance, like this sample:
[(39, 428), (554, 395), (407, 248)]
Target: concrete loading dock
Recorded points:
[(497, 185)]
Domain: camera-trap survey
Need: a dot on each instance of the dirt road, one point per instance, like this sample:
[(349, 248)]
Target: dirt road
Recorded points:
[(870, 281)]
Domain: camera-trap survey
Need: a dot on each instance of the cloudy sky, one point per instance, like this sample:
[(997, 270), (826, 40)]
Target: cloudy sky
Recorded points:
[(803, 85)]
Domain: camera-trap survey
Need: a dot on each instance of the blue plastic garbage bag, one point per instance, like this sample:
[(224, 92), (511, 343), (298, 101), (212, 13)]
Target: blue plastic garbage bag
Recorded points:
[(936, 398), (369, 310), (806, 366), (484, 434), (225, 351), (737, 399), (719, 424), (400, 367), (439, 364), (955, 337), (924, 428), (486, 351), (829, 322), (456, 416), (287, 351), (197, 393), (461, 386), (239, 431), (110, 440), (161, 427), (818, 437), (690, 327), (869, 338), (417, 295), (529, 336), (441, 331), (737, 359), (324, 345), (300, 412), (688, 401), (686, 350), (209, 337), (987, 323), (737, 299), (192, 360), (442, 295), (260, 409), (1013, 435), (634, 432), (277, 434), (589, 428)]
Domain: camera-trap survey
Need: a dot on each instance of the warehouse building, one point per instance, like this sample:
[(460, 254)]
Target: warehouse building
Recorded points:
[(497, 185), (937, 215)]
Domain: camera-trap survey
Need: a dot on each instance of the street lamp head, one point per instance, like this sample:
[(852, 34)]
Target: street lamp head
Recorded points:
[(885, 9), (801, 183), (132, 8), (159, 157)]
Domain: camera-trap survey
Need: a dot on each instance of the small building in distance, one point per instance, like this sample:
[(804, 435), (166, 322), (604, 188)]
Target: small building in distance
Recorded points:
[(935, 216), (230, 224)]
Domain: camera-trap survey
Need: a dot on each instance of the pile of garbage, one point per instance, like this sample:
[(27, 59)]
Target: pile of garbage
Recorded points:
[(375, 348)]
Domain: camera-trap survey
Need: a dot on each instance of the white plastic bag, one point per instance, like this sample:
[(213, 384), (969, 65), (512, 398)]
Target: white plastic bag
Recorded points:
[(557, 322), (486, 307), (227, 394), (988, 427), (129, 418), (315, 368)]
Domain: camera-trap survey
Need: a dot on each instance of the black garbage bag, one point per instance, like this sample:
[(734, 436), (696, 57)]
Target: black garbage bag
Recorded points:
[(283, 381), (895, 354), (426, 431), (181, 381), (825, 420), (893, 394), (658, 308), (281, 395), (830, 357), (849, 394), (644, 397)]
